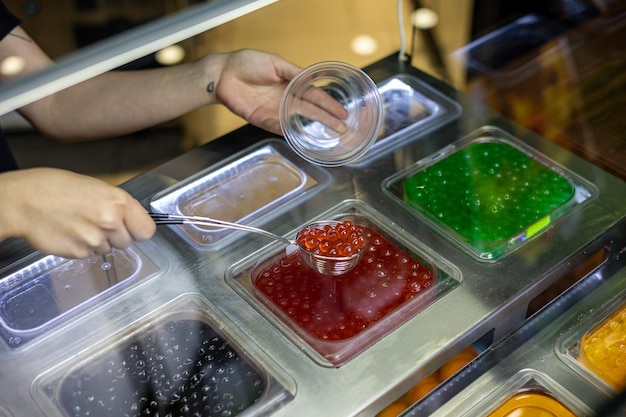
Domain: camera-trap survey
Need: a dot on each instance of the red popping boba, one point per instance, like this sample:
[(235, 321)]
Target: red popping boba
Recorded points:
[(331, 247)]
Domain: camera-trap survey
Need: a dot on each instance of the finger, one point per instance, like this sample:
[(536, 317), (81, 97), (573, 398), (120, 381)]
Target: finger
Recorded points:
[(284, 68), (88, 239), (288, 71), (138, 223), (119, 238), (102, 249), (325, 101), (313, 112)]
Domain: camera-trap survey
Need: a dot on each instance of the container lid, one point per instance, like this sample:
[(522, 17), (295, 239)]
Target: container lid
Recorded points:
[(331, 113)]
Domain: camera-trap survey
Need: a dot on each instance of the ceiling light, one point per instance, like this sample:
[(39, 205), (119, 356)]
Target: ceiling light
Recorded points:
[(12, 65), (364, 45), (170, 55), (424, 18)]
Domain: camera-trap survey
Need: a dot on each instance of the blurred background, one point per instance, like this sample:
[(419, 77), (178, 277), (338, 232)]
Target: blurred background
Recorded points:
[(360, 32), (304, 32)]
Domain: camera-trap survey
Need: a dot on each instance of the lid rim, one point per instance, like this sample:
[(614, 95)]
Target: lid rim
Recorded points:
[(374, 115)]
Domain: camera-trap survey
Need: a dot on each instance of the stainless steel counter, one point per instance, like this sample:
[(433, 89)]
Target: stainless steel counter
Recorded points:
[(487, 300)]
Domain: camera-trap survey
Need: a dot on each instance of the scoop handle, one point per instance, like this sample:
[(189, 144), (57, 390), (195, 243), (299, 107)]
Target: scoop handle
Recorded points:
[(164, 218)]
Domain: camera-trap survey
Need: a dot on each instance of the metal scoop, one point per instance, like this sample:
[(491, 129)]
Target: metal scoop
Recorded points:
[(325, 265)]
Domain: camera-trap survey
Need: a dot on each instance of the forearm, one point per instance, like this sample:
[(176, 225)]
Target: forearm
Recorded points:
[(250, 83), (120, 102)]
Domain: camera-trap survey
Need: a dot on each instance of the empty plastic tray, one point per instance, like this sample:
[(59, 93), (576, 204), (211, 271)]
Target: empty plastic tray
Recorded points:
[(256, 184)]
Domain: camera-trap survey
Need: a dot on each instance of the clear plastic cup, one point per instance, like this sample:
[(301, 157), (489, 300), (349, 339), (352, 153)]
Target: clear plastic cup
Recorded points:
[(331, 113)]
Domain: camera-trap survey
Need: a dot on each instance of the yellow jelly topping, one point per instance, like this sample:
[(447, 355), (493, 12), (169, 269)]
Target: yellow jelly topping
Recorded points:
[(530, 404), (603, 350)]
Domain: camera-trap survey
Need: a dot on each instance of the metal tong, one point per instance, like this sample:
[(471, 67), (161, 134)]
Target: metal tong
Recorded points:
[(165, 218)]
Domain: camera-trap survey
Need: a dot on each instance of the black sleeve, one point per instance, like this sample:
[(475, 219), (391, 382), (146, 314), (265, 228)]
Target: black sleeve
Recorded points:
[(7, 162), (8, 21)]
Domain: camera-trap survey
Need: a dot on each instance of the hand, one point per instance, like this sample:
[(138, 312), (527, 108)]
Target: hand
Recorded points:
[(70, 215), (314, 104), (252, 84)]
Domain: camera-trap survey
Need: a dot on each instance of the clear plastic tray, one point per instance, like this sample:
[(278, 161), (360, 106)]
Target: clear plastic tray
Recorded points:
[(496, 54), (260, 181), (184, 359), (594, 347), (530, 389), (489, 192), (410, 108), (40, 295), (334, 319)]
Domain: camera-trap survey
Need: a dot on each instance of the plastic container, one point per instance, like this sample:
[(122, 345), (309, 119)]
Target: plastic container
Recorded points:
[(331, 113), (183, 359), (496, 54), (530, 393), (595, 346), (602, 349), (411, 108), (532, 404), (334, 318), (489, 192), (43, 294), (255, 185)]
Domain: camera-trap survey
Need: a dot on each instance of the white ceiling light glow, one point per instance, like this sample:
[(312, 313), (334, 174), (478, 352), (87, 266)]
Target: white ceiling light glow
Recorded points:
[(170, 55), (12, 65), (424, 18), (364, 45)]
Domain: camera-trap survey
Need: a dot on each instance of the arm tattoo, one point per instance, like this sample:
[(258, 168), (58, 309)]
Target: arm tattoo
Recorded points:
[(211, 87)]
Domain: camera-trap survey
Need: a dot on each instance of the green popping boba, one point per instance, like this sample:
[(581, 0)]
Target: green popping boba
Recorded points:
[(490, 194)]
